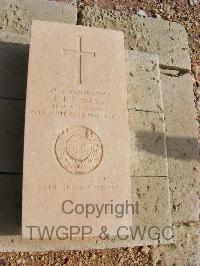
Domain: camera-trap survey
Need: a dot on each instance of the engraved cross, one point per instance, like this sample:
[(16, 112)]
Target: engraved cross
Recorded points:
[(79, 52)]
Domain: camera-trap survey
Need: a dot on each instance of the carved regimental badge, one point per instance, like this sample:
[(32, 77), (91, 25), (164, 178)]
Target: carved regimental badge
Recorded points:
[(78, 150)]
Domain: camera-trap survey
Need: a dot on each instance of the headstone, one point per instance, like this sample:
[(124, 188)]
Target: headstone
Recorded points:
[(76, 129)]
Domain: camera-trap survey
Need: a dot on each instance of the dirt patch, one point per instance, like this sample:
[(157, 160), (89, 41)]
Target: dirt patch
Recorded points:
[(112, 257)]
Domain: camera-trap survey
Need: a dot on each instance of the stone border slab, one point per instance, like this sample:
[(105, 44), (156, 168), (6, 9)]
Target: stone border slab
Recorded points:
[(16, 16), (167, 39), (182, 146), (148, 144), (6, 36), (153, 197), (185, 250), (143, 82)]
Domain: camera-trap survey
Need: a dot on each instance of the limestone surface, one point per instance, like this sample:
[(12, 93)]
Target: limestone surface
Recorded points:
[(182, 146), (16, 16), (154, 213), (143, 82), (167, 39), (148, 144), (6, 36), (185, 250)]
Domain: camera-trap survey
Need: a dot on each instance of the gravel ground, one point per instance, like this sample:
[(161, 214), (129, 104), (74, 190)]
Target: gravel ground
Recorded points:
[(112, 257), (187, 13)]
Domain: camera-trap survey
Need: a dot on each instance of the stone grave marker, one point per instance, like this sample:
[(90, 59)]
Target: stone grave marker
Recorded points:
[(76, 144)]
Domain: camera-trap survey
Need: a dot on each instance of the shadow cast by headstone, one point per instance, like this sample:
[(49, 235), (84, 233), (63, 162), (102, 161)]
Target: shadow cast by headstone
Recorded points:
[(13, 70), (11, 136), (177, 147), (13, 80), (10, 204)]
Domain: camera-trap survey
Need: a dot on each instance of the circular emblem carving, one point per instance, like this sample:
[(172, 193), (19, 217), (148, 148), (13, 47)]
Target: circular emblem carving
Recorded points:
[(78, 150)]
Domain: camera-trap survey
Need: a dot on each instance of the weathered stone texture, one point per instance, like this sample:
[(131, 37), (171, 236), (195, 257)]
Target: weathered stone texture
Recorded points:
[(152, 194), (6, 36), (167, 39), (146, 121), (16, 16), (182, 146), (185, 250), (143, 82), (148, 145)]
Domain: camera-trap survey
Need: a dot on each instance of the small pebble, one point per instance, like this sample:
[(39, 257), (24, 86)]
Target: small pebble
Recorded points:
[(141, 13)]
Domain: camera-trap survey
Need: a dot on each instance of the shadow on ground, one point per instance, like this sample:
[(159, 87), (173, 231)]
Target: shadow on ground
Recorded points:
[(13, 78), (13, 70), (179, 148), (10, 204)]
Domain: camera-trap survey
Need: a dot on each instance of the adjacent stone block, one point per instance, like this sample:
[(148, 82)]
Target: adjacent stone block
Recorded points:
[(13, 68), (16, 16), (6, 36), (154, 215), (143, 82), (11, 135), (167, 39), (148, 144), (182, 146), (185, 250)]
